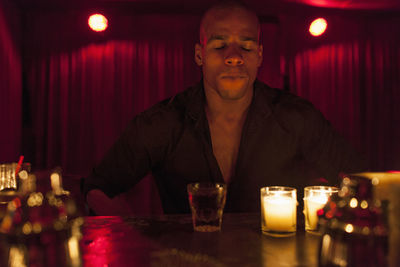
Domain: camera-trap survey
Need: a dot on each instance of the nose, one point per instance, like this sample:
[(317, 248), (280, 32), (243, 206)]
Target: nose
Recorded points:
[(234, 58)]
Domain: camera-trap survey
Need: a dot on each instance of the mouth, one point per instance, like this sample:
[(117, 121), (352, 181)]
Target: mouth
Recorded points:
[(234, 76)]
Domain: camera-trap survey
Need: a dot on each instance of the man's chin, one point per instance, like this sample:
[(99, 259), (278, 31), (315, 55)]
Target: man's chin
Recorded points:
[(232, 91), (238, 84)]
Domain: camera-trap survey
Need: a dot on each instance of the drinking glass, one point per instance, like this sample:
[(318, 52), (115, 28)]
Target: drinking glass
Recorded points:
[(207, 202)]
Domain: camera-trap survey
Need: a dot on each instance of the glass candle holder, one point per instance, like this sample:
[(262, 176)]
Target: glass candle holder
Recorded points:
[(278, 210), (315, 198)]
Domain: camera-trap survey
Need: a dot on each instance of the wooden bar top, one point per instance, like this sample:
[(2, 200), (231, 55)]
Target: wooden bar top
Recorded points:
[(170, 241)]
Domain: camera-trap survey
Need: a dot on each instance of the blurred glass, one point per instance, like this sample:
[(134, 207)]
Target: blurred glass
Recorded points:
[(10, 182), (8, 179), (386, 190), (40, 227), (353, 228)]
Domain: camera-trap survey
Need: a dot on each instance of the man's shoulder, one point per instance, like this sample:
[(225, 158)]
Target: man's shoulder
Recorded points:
[(283, 100), (172, 106), (290, 111)]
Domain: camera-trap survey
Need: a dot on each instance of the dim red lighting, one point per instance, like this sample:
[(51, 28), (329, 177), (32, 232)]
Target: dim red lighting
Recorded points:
[(98, 22), (318, 27)]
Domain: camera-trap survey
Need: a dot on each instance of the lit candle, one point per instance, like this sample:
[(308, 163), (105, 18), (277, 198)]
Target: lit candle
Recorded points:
[(315, 198), (280, 213), (312, 205), (278, 210)]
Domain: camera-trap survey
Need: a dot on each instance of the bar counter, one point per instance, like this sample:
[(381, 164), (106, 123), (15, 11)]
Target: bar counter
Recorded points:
[(170, 241)]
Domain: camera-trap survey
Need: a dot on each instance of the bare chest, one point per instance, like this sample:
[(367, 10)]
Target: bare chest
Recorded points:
[(225, 143)]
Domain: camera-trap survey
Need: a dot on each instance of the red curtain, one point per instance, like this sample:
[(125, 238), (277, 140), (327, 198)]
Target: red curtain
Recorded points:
[(10, 84), (83, 96), (84, 88), (84, 99), (354, 79), (329, 76)]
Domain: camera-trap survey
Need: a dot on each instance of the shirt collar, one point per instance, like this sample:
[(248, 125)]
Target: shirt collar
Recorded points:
[(196, 101), (262, 99)]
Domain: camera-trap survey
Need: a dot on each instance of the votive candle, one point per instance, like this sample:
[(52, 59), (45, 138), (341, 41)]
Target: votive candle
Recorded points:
[(278, 210), (315, 198)]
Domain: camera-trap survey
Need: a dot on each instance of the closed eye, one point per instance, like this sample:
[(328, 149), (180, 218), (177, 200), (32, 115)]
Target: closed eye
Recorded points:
[(220, 47)]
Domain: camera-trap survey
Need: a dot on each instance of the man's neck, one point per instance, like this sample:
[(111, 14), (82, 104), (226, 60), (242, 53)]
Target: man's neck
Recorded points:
[(229, 110)]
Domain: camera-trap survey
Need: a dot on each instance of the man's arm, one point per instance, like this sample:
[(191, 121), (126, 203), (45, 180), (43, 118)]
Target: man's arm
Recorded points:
[(323, 146), (101, 204), (129, 160)]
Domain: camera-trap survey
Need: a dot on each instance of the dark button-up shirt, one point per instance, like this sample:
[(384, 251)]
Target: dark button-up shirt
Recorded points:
[(285, 142)]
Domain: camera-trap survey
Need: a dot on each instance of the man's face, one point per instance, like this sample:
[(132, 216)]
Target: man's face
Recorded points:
[(229, 52)]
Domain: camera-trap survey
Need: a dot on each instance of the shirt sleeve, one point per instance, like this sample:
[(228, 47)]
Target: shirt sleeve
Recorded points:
[(130, 159)]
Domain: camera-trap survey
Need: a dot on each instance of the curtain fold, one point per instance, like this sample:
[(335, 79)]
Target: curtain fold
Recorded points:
[(355, 82), (382, 97), (10, 84), (329, 76), (84, 99)]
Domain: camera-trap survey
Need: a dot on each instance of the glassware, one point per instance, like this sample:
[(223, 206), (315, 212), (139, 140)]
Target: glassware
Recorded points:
[(41, 228), (315, 198), (10, 183), (207, 202), (352, 227), (8, 179), (278, 210)]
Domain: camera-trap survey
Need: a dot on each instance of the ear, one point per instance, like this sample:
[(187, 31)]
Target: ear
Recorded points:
[(260, 55), (198, 54)]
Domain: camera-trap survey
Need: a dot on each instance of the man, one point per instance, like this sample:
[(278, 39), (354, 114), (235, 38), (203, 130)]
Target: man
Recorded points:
[(229, 128)]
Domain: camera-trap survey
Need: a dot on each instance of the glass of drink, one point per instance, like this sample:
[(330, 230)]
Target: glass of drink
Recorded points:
[(315, 198), (207, 201), (278, 210)]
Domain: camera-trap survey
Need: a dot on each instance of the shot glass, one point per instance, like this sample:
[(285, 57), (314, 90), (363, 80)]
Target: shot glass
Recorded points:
[(315, 198), (207, 202), (278, 210)]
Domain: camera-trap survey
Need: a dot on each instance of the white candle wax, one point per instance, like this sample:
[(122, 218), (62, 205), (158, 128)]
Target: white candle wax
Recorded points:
[(280, 213), (312, 204)]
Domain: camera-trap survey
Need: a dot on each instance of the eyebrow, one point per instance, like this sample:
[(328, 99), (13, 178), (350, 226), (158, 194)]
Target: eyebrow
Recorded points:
[(217, 37), (224, 37), (248, 39)]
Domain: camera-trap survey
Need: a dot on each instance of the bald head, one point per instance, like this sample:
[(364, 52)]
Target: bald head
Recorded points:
[(229, 52), (226, 9)]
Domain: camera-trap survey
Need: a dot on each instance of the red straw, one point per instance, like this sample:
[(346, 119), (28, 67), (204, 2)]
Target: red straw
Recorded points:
[(21, 159)]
